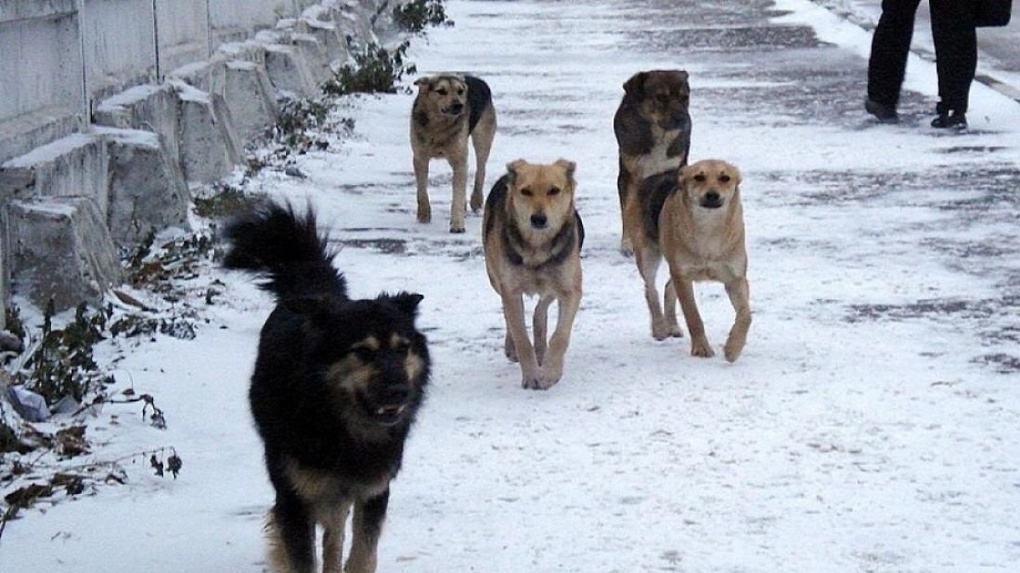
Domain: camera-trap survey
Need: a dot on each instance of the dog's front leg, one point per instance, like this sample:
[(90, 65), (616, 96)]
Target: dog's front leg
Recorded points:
[(291, 533), (333, 523), (365, 531), (738, 292), (552, 368), (459, 205), (513, 314), (421, 180), (685, 292), (540, 326)]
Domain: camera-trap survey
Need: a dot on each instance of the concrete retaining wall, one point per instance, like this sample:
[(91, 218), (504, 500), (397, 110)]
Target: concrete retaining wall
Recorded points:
[(109, 109)]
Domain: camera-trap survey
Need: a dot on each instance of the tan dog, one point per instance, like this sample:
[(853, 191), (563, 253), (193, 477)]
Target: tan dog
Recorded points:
[(448, 110), (701, 232), (532, 237), (694, 217), (653, 131)]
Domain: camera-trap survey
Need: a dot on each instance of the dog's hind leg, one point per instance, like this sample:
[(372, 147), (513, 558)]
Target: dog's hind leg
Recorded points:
[(669, 310), (365, 531), (291, 534), (540, 326), (648, 260), (333, 521), (421, 180), (739, 296)]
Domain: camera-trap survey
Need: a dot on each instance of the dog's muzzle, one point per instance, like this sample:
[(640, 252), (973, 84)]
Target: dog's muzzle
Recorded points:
[(454, 109), (711, 200)]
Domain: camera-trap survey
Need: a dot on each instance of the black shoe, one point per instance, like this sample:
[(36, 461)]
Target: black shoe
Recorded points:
[(955, 120), (884, 112)]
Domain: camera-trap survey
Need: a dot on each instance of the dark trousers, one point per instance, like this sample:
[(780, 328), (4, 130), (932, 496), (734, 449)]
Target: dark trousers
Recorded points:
[(952, 27)]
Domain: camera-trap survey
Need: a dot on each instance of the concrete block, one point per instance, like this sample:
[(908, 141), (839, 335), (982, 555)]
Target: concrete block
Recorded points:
[(209, 148), (147, 107), (289, 72), (147, 190), (246, 88), (61, 250), (316, 21), (75, 165)]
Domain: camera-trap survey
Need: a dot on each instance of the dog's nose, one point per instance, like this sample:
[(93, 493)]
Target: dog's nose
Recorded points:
[(711, 200), (394, 394), (539, 220), (456, 108)]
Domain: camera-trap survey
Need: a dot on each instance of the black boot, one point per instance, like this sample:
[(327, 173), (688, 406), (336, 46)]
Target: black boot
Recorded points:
[(885, 113), (955, 120)]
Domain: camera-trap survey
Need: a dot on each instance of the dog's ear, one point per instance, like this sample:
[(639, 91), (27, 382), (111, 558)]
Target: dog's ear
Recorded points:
[(425, 83), (635, 86), (568, 168), (406, 302), (511, 170)]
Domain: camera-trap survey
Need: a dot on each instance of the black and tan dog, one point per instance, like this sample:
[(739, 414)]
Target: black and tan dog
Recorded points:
[(532, 236), (336, 388), (449, 109), (653, 131), (694, 217)]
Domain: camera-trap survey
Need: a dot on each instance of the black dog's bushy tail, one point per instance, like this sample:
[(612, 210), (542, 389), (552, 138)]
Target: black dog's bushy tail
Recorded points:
[(287, 248)]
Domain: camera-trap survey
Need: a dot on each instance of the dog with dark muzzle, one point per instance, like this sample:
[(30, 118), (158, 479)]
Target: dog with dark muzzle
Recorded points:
[(448, 110), (336, 388), (532, 237), (653, 131)]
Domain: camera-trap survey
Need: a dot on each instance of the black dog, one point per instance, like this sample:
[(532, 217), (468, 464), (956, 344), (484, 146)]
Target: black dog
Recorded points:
[(336, 388)]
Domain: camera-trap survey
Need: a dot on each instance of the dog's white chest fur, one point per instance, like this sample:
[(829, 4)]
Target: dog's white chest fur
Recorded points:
[(658, 160)]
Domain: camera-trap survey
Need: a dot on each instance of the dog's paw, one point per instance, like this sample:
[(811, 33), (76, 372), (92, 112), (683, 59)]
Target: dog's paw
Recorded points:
[(732, 350), (424, 216), (456, 229), (664, 331), (702, 349)]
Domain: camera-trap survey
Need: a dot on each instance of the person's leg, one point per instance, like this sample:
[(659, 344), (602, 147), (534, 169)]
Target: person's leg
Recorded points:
[(952, 28), (890, 45)]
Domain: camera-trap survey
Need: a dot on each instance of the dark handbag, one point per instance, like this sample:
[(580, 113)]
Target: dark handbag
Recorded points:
[(990, 13)]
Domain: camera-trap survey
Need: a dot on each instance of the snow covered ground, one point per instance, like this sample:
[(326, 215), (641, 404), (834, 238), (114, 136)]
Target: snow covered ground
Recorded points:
[(870, 424)]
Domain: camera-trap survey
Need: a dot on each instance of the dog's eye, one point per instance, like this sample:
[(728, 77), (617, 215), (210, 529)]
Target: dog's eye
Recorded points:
[(553, 191), (526, 192), (700, 178), (724, 178), (442, 91), (460, 92), (402, 346)]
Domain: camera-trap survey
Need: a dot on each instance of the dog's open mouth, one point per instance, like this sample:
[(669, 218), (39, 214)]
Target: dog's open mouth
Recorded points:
[(388, 415)]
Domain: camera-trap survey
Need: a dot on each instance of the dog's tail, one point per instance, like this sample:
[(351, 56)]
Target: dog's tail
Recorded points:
[(286, 247)]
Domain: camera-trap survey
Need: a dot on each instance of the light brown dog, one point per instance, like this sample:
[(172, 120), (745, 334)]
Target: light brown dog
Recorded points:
[(653, 131), (693, 217), (701, 233), (449, 109), (532, 236)]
